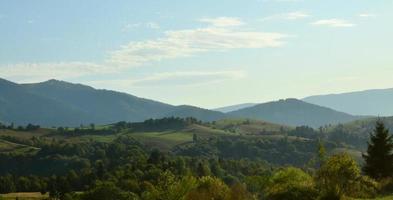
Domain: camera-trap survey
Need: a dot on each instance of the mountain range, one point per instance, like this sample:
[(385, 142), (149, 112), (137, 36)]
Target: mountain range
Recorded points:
[(294, 112), (59, 103), (369, 102)]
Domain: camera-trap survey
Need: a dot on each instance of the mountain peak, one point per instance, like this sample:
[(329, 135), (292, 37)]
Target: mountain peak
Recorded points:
[(54, 83)]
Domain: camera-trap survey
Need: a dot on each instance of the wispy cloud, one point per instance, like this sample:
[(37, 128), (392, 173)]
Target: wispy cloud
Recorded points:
[(292, 1), (183, 43), (147, 25), (288, 16), (174, 44), (42, 71), (367, 15), (223, 21), (189, 78), (177, 78), (336, 23)]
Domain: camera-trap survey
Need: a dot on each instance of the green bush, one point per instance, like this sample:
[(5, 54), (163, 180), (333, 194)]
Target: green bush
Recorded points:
[(386, 186), (364, 187), (291, 183)]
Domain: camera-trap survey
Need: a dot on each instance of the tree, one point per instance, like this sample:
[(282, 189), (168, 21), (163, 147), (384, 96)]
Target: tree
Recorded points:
[(104, 191), (7, 184), (337, 176), (379, 157), (290, 183), (321, 153), (203, 169), (209, 188)]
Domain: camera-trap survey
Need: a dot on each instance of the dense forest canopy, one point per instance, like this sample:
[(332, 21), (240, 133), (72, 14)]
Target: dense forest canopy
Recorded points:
[(182, 158)]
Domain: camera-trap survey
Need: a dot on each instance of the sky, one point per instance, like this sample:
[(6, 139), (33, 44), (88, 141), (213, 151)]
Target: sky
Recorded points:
[(203, 53)]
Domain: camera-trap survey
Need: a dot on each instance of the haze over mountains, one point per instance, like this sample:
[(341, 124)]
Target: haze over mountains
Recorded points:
[(294, 112), (227, 109), (59, 103), (369, 102)]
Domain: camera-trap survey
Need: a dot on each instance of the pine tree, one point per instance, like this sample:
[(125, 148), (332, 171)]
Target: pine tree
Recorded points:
[(379, 157)]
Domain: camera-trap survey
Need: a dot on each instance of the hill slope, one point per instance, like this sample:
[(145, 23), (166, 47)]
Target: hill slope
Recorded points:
[(184, 111), (59, 103), (369, 102), (294, 112), (20, 106)]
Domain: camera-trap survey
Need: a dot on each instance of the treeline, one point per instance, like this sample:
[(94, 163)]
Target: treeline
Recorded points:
[(276, 151), (167, 123), (28, 127)]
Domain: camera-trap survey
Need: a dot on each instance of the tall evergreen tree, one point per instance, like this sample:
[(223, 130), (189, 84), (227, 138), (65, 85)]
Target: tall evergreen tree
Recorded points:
[(379, 157)]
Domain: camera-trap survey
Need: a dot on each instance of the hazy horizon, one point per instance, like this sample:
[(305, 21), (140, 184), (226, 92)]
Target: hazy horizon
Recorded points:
[(207, 54)]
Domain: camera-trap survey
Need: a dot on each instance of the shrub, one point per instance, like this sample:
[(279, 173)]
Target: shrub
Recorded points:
[(291, 183), (364, 187), (337, 175), (386, 186)]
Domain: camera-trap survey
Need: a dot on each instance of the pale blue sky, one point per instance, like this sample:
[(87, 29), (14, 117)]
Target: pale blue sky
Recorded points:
[(204, 53)]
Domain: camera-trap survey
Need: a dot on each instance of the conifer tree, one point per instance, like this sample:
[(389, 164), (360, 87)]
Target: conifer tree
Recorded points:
[(379, 157)]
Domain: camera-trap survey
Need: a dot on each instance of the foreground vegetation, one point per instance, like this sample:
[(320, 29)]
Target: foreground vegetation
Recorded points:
[(174, 158)]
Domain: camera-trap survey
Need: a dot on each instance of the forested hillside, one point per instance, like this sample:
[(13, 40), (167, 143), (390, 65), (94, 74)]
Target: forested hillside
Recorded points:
[(163, 158)]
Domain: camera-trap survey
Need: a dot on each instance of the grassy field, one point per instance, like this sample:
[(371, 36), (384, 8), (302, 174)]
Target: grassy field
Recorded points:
[(25, 196), (246, 126), (7, 146)]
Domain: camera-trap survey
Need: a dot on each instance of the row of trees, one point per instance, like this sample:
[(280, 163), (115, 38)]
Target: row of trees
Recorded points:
[(28, 127)]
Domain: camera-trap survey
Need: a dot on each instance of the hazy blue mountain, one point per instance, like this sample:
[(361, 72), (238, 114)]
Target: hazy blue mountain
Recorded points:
[(102, 106), (228, 109), (369, 102), (18, 105), (294, 112), (59, 103)]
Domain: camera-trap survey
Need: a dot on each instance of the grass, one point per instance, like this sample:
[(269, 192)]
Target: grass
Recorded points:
[(24, 134), (25, 196), (7, 146), (248, 126)]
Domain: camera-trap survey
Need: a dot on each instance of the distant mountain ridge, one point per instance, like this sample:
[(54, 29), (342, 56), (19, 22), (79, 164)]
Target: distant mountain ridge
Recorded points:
[(59, 103), (294, 112), (377, 102)]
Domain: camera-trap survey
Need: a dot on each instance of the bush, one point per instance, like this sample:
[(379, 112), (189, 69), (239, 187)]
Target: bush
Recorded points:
[(338, 175), (291, 183), (364, 187), (209, 188), (386, 186), (105, 191)]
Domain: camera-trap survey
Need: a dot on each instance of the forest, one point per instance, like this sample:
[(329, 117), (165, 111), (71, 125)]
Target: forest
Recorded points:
[(184, 158)]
